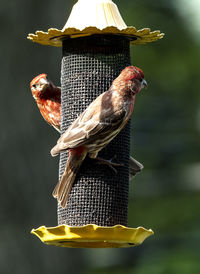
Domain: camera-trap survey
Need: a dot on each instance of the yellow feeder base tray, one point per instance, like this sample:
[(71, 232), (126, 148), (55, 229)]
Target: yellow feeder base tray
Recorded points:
[(92, 236)]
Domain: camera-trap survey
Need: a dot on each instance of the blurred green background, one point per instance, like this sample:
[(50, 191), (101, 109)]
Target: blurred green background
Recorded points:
[(165, 138)]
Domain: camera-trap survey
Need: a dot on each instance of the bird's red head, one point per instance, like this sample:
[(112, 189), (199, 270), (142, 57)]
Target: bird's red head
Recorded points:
[(132, 72), (39, 84), (131, 79), (37, 79)]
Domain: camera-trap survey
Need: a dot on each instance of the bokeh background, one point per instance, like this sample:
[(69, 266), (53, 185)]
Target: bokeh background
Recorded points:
[(165, 138)]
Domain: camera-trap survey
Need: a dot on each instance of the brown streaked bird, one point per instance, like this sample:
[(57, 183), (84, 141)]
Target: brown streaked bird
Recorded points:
[(102, 120)]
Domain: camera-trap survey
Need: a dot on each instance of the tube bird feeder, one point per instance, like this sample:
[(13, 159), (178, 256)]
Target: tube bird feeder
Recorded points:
[(95, 43)]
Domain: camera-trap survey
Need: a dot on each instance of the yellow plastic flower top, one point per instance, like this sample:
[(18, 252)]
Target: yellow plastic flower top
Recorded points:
[(90, 17), (92, 236)]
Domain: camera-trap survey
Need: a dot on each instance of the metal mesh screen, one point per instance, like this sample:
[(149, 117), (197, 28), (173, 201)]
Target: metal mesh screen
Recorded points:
[(98, 196)]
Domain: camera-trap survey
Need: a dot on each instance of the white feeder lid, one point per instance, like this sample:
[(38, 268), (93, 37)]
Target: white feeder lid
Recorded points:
[(90, 17)]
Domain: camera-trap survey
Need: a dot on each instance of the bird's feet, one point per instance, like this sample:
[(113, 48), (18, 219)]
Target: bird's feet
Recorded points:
[(110, 163)]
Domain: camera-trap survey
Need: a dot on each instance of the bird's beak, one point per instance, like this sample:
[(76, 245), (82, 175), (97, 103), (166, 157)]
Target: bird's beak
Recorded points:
[(144, 83), (44, 83)]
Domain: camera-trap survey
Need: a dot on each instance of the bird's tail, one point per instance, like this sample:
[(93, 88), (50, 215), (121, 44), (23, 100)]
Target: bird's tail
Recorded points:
[(63, 187), (134, 167)]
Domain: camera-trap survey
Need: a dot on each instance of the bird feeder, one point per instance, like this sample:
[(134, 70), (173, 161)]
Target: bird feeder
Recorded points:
[(95, 43)]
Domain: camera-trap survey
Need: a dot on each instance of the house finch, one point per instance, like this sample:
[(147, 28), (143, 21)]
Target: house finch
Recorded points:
[(102, 120), (48, 99)]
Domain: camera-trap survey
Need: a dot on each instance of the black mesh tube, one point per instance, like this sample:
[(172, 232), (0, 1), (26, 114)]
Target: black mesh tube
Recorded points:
[(98, 196)]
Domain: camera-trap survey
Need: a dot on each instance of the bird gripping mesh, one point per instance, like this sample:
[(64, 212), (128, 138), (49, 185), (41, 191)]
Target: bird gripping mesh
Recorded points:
[(98, 196)]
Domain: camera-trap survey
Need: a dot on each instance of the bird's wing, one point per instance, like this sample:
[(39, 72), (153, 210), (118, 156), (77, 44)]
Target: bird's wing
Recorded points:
[(97, 119)]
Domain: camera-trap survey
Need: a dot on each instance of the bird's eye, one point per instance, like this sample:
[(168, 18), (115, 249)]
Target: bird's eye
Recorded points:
[(140, 79), (34, 86)]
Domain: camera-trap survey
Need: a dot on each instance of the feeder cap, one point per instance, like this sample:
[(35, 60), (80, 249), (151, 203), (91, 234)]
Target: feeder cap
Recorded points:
[(92, 236), (89, 17)]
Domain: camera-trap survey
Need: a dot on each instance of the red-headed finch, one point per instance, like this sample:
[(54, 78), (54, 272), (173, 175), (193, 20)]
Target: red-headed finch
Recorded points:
[(102, 120), (47, 97)]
